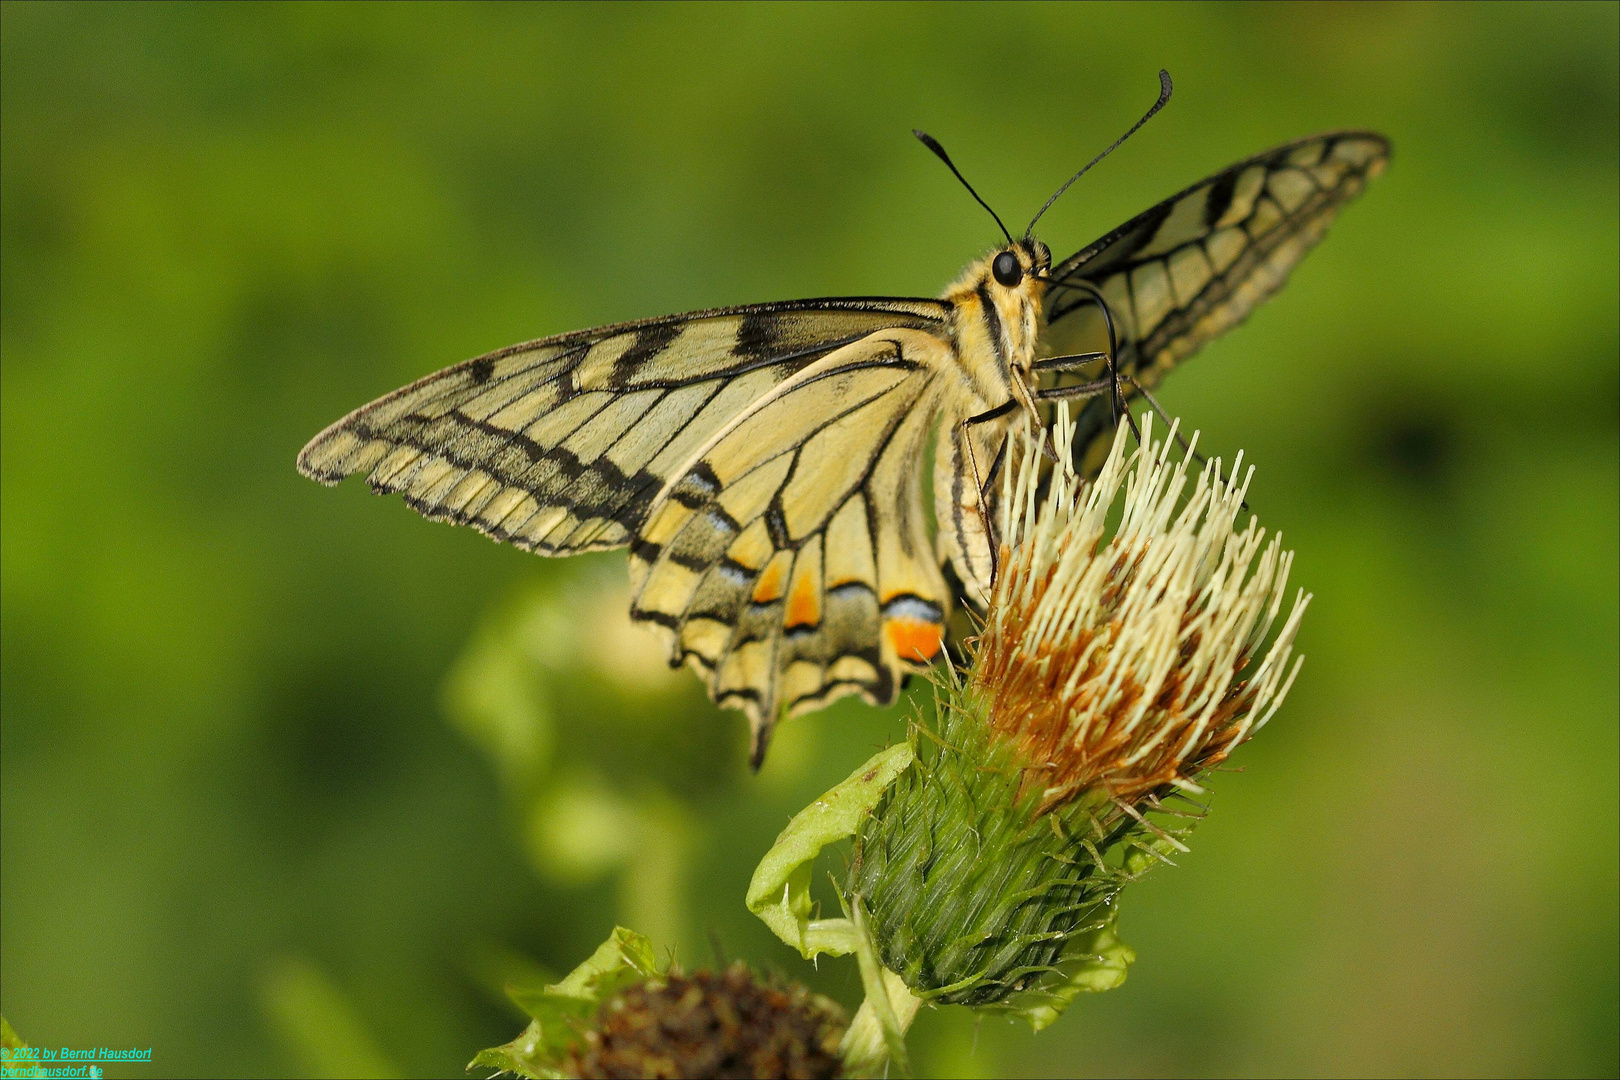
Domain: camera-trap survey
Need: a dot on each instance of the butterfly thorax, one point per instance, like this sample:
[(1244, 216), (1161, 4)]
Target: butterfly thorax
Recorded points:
[(995, 318), (993, 328)]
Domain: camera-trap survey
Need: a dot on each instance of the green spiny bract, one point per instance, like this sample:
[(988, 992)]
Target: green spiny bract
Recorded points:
[(972, 893)]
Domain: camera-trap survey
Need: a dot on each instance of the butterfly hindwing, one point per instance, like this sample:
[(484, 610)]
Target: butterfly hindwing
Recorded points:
[(790, 561), (560, 445), (1196, 264)]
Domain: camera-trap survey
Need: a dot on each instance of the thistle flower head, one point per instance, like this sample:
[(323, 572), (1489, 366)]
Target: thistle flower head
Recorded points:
[(1119, 666), (1118, 660)]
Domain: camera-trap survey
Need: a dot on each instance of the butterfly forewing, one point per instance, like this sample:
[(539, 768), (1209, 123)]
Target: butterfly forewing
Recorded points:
[(1196, 264), (560, 445)]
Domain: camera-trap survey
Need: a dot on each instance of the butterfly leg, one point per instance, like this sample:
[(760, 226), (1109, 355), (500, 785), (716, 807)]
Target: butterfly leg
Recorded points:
[(1001, 453), (1078, 390), (1027, 398), (1158, 410), (1109, 386), (1068, 363), (1099, 386), (1116, 398), (1181, 440), (1153, 403)]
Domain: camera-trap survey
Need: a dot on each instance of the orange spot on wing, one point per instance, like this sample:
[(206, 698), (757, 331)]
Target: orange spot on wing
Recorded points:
[(916, 640), (768, 589), (804, 605)]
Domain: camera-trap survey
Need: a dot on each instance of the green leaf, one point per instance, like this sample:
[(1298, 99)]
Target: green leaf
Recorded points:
[(559, 1011), (523, 1056), (889, 1008), (8, 1037), (780, 891), (1096, 960), (625, 957)]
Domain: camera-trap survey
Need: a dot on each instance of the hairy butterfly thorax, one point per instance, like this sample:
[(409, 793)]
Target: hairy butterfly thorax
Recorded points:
[(765, 464), (993, 328)]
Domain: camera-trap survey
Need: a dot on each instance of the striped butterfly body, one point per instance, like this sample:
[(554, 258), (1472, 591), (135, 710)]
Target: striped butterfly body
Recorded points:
[(765, 464)]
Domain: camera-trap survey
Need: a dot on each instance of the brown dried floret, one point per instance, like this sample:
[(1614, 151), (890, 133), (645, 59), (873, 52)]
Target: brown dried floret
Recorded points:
[(729, 1024)]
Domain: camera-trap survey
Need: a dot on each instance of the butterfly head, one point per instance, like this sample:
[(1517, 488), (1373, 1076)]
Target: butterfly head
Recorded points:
[(1013, 274), (1024, 259)]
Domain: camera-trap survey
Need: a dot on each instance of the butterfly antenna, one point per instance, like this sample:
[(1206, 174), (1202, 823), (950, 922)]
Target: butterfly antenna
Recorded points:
[(1164, 96), (939, 152)]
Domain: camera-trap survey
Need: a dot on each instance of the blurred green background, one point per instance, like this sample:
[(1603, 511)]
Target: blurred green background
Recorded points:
[(294, 780)]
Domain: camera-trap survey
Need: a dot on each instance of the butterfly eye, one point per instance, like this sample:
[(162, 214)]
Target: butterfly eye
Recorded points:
[(1008, 270)]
